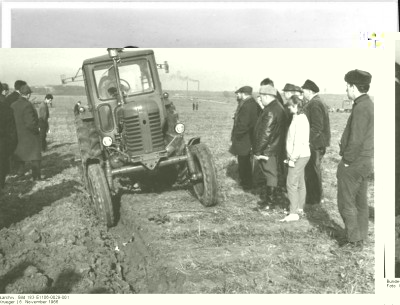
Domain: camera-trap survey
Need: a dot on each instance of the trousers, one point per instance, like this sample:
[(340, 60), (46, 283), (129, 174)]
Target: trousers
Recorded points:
[(296, 186), (245, 170), (352, 197), (270, 170), (313, 176)]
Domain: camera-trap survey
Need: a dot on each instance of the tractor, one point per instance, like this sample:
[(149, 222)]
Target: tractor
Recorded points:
[(130, 127)]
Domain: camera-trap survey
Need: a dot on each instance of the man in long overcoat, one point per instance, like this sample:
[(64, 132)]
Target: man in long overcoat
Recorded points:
[(320, 138), (8, 138), (26, 119), (242, 136), (357, 151)]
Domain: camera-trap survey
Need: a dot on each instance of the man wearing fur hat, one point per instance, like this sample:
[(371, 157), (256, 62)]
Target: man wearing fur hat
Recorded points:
[(242, 136), (357, 151), (320, 137), (270, 140), (27, 122)]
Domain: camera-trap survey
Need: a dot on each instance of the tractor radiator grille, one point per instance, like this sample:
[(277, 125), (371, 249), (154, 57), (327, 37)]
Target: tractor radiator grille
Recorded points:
[(135, 143), (157, 137), (133, 135)]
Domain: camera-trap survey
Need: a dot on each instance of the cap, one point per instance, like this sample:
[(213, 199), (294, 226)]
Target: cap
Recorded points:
[(358, 77), (245, 89), (309, 84), (268, 89)]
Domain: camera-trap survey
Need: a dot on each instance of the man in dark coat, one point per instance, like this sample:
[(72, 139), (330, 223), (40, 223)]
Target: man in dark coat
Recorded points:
[(16, 94), (320, 137), (270, 140), (27, 122), (357, 151), (8, 138), (44, 119), (242, 136)]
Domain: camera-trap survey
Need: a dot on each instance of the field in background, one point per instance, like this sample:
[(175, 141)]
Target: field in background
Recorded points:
[(167, 242)]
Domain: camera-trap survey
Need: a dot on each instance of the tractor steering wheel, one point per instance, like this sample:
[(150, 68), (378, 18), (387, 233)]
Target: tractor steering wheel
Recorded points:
[(128, 86)]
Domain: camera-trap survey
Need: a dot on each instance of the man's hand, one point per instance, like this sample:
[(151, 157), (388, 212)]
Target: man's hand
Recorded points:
[(261, 157)]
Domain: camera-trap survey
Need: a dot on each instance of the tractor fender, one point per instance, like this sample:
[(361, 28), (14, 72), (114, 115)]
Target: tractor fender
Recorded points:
[(193, 141)]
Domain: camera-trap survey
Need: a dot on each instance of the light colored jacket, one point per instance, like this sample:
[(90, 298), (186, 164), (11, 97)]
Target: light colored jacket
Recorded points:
[(298, 138)]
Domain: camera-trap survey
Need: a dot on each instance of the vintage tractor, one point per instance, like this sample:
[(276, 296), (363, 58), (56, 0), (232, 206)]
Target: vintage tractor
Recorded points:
[(130, 127)]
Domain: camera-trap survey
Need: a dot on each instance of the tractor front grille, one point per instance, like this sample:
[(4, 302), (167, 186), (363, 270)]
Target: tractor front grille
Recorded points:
[(133, 135), (135, 126), (157, 137)]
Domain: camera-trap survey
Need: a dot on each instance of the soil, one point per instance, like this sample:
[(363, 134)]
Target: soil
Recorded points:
[(165, 241)]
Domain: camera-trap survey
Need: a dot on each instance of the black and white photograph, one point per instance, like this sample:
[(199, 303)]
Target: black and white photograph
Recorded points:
[(397, 123), (189, 171), (166, 24)]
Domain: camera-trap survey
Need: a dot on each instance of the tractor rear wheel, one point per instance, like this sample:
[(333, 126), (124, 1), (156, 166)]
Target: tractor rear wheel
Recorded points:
[(100, 194), (206, 189)]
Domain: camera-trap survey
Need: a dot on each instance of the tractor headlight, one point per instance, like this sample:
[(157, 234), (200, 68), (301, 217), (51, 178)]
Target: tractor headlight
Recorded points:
[(107, 141), (180, 128), (81, 109)]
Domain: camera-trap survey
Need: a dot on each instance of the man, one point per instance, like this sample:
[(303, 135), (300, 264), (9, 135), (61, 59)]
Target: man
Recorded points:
[(8, 139), (268, 81), (44, 119), (357, 151), (320, 137), (16, 94), (27, 122), (6, 90), (288, 91), (270, 140), (49, 97), (242, 136)]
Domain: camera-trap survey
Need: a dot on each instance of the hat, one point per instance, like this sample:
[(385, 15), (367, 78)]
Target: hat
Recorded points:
[(291, 87), (309, 84), (358, 77), (268, 89), (25, 89), (245, 89)]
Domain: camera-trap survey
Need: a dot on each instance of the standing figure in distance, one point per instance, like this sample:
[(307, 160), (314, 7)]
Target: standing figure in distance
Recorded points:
[(44, 119), (357, 152)]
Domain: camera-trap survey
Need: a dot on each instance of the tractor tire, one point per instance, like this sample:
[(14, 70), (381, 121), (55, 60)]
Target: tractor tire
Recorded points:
[(100, 194), (205, 189), (88, 139)]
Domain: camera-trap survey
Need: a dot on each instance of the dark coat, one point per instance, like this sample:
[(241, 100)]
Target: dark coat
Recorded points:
[(318, 116), (270, 130), (44, 116), (358, 136), (12, 98), (242, 136), (8, 135), (27, 122)]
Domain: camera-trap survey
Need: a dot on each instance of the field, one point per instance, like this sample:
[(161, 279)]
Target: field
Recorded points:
[(166, 242)]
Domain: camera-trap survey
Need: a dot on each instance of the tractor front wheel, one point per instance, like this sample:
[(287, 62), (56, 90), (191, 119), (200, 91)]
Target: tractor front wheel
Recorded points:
[(100, 194), (206, 188)]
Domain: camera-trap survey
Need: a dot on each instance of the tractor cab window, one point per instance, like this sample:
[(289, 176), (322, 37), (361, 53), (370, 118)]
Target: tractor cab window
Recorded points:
[(135, 78)]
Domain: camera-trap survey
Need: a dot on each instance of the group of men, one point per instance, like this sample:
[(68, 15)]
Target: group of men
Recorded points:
[(259, 133), (23, 131)]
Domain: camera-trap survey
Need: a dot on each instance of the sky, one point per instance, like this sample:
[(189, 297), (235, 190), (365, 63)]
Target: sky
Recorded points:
[(216, 69)]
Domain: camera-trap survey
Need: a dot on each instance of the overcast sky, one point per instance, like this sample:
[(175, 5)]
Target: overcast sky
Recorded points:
[(216, 69)]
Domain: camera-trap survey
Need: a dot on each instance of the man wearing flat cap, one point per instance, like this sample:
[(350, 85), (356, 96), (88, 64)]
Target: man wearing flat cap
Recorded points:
[(320, 137), (242, 136), (27, 121), (270, 141), (357, 151)]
